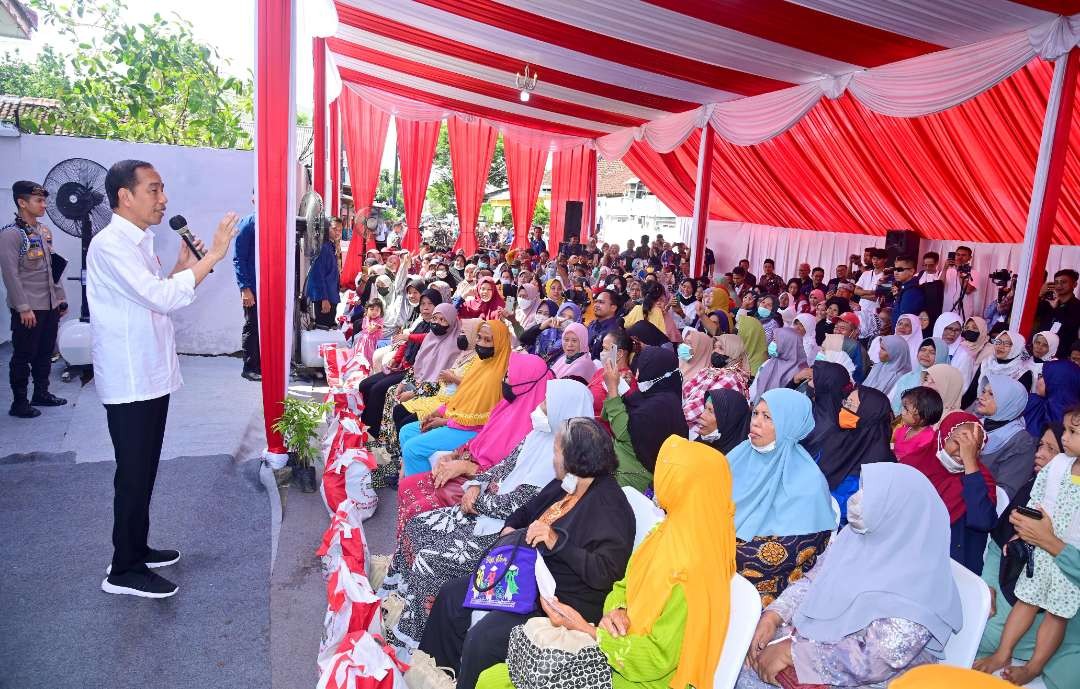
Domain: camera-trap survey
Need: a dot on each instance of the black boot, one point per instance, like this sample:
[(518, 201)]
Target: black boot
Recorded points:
[(46, 399), (21, 408)]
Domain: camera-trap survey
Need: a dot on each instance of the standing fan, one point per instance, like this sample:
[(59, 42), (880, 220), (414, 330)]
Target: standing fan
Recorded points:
[(76, 204)]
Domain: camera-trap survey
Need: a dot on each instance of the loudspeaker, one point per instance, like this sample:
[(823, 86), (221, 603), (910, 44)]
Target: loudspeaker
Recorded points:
[(899, 242), (572, 220)]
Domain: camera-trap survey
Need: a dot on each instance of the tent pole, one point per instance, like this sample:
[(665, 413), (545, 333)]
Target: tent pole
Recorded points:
[(699, 227), (1045, 192), (335, 158), (318, 120)]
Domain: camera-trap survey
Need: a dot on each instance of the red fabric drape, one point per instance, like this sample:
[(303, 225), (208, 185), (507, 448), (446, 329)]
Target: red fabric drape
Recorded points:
[(573, 178), (663, 176), (524, 172), (416, 147), (273, 122), (318, 117), (472, 145), (364, 132), (335, 159)]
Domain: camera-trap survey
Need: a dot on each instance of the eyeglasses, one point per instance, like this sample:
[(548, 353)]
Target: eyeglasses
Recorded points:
[(1003, 343)]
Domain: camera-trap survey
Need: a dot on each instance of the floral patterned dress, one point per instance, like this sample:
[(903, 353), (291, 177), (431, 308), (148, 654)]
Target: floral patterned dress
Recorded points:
[(1059, 495), (388, 437), (439, 545)]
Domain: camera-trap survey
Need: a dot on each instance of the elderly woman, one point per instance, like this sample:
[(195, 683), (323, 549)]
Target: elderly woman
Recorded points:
[(894, 360), (724, 421), (660, 630), (783, 512), (1010, 450), (726, 368), (582, 525), (880, 601), (575, 360), (965, 485), (443, 544), (1010, 358), (786, 358)]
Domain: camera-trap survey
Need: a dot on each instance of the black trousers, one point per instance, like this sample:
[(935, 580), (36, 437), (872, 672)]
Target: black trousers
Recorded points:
[(137, 430), (327, 320), (374, 389), (249, 339), (450, 641), (31, 351), (402, 416)]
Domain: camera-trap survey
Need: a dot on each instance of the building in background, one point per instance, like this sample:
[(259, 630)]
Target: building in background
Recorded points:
[(16, 19), (626, 209)]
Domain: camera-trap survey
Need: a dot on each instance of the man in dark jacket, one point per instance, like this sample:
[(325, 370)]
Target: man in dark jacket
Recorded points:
[(244, 265), (323, 276)]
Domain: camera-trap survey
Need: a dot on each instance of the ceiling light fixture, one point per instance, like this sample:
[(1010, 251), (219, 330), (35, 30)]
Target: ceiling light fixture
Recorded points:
[(525, 84)]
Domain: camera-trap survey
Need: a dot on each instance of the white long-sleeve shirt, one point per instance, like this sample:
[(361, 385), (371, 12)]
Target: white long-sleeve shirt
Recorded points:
[(134, 348)]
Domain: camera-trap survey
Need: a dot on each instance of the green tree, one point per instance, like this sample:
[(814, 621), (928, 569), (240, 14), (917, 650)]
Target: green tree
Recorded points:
[(42, 79), (383, 193), (541, 215), (440, 194), (151, 81)]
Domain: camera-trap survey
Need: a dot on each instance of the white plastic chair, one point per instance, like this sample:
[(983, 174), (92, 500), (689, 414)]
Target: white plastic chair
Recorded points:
[(646, 514), (745, 613), (975, 599), (1002, 500)]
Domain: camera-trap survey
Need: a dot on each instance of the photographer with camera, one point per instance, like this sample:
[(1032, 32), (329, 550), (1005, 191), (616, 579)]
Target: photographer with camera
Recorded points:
[(960, 282), (998, 311), (1059, 310)]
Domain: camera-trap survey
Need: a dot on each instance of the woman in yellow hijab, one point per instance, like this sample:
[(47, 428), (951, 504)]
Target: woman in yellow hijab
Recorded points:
[(665, 622)]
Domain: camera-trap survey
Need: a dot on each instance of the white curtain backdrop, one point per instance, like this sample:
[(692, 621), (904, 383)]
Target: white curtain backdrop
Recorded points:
[(733, 241)]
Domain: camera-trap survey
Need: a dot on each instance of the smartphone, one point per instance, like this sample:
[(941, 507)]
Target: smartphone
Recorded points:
[(952, 255), (1029, 512), (511, 302), (613, 353)]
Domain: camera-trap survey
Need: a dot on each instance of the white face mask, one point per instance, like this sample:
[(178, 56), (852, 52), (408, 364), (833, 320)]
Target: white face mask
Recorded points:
[(644, 385), (764, 448), (715, 435), (540, 420), (569, 483), (854, 512), (524, 303), (953, 466)]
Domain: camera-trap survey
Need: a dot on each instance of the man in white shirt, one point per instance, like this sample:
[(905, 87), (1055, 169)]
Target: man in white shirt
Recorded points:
[(134, 355), (866, 287), (959, 279)]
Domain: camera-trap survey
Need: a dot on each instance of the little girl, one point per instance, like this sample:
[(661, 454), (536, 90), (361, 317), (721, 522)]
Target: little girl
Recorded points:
[(370, 330), (920, 409), (1056, 494)]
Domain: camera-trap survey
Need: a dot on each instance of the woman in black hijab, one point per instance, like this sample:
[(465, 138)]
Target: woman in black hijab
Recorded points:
[(828, 386), (725, 422), (646, 333), (864, 435), (655, 408), (825, 325)]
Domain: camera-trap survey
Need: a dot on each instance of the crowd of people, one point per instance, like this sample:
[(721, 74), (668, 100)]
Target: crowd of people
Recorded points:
[(513, 394)]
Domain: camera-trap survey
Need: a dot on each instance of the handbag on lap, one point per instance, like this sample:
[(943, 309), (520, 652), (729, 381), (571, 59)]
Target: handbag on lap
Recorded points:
[(543, 656), (505, 578)]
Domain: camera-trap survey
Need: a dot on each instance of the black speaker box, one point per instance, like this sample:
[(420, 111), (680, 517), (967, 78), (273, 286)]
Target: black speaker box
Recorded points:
[(572, 221), (899, 242)]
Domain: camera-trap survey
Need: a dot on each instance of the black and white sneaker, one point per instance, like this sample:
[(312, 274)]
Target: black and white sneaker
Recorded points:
[(142, 584), (156, 559)]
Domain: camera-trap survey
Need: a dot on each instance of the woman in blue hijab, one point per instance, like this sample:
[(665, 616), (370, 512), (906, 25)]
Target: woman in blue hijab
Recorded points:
[(783, 510)]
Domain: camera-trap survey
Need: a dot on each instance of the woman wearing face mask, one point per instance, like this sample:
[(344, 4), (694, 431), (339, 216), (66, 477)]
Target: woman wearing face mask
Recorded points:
[(768, 313), (575, 359), (528, 303), (786, 358), (608, 386), (419, 408), (783, 512), (443, 544), (654, 410), (753, 336), (894, 361), (1057, 390), (583, 526), (880, 601), (1009, 450), (686, 305), (931, 351), (976, 349), (522, 390), (725, 368), (724, 421), (966, 486), (443, 274), (467, 285), (487, 304)]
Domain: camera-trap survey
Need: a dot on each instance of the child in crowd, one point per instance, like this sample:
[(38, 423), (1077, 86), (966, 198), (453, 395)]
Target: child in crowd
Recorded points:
[(371, 329), (1056, 494), (920, 409)]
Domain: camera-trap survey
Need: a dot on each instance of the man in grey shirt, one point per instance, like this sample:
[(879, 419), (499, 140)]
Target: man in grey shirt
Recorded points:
[(36, 301)]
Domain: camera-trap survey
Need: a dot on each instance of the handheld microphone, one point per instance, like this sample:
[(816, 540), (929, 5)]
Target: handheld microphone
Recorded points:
[(179, 225)]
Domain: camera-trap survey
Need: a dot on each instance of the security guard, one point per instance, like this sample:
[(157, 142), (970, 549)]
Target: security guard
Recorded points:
[(36, 301)]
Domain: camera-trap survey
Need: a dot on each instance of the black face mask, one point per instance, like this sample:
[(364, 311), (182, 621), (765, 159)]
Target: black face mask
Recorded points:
[(718, 360), (508, 392), (485, 352), (439, 330), (462, 342), (970, 335)]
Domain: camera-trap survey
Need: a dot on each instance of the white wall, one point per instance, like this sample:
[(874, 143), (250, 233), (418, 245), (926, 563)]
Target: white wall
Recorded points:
[(202, 185), (732, 241)]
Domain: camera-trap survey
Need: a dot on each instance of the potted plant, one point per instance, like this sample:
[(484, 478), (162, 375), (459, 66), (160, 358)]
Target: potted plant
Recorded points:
[(299, 424)]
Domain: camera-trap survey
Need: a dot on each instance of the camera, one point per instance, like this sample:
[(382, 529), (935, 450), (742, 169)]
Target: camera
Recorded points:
[(1001, 277), (964, 269)]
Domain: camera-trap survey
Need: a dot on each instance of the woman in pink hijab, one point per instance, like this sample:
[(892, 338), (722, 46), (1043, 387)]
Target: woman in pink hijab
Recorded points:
[(575, 359)]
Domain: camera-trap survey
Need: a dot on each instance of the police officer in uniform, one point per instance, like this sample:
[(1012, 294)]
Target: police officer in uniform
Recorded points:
[(36, 301)]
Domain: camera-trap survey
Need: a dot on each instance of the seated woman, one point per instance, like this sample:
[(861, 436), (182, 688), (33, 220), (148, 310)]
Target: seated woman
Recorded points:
[(805, 324), (1056, 391), (894, 361), (1044, 348), (724, 421), (783, 512), (1009, 358), (1001, 573), (575, 359), (614, 416), (974, 350), (582, 525), (931, 351), (467, 410), (445, 543), (827, 386), (948, 382), (862, 437), (522, 390), (786, 358), (1010, 450), (966, 486), (438, 350), (660, 630), (880, 601), (726, 368), (752, 334), (654, 410), (487, 303), (544, 337), (526, 315), (1056, 495)]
